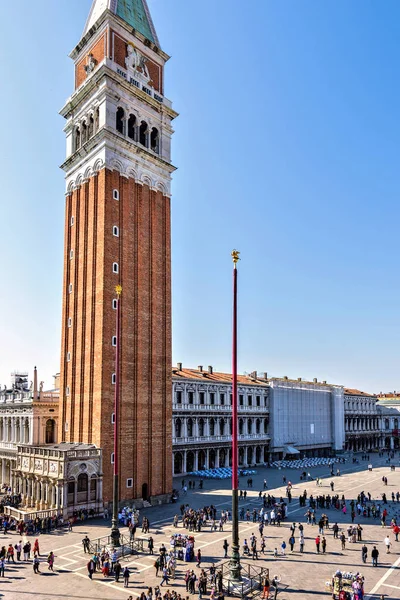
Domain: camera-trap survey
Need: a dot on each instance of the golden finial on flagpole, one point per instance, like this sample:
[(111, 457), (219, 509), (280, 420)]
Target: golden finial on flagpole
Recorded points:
[(235, 257)]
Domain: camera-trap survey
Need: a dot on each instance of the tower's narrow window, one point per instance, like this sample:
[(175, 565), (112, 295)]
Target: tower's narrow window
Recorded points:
[(143, 133), (96, 120), (84, 134), (120, 120), (90, 127), (115, 268), (115, 231), (70, 288), (69, 322), (71, 254), (114, 304), (68, 356), (113, 378), (114, 340), (131, 126), (154, 140), (116, 194), (77, 138)]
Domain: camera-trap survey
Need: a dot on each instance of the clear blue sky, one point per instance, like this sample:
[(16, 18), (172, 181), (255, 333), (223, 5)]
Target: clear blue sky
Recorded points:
[(288, 149)]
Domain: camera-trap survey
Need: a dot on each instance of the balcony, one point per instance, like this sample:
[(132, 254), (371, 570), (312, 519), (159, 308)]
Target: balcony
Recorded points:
[(219, 438), (225, 408), (8, 445)]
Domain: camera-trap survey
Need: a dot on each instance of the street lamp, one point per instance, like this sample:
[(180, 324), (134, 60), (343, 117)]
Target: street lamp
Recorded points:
[(115, 533), (234, 566)]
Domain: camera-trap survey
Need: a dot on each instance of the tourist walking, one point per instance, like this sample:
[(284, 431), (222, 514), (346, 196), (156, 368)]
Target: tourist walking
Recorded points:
[(364, 553), (165, 578), (117, 571), (343, 541), (374, 556), (387, 544), (323, 544), (36, 563), (225, 546), (91, 568), (265, 588), (126, 576), (50, 561), (85, 544)]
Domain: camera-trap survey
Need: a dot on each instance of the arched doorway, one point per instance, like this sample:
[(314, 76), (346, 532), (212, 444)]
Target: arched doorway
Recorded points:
[(50, 431), (178, 463), (82, 488), (71, 491), (211, 459), (202, 460), (241, 456), (258, 454), (249, 455), (222, 457), (189, 462), (145, 491)]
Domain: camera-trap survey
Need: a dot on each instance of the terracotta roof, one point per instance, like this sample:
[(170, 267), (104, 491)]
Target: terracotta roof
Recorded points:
[(352, 392), (389, 395), (216, 377)]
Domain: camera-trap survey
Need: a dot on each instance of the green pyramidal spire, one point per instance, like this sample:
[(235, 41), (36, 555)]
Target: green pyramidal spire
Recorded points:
[(134, 12)]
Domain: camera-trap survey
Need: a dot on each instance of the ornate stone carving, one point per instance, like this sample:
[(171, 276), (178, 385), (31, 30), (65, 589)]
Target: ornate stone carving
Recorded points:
[(91, 63), (135, 61)]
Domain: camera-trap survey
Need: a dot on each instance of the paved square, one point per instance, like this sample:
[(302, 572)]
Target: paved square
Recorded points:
[(304, 574)]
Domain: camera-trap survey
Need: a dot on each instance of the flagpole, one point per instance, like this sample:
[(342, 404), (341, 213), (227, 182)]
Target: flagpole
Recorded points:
[(235, 553), (115, 533)]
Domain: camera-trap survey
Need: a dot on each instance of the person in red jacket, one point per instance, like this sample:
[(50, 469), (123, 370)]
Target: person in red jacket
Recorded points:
[(396, 531), (317, 542)]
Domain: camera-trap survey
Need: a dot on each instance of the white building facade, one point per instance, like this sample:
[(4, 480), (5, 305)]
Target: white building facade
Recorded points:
[(202, 423), (28, 415)]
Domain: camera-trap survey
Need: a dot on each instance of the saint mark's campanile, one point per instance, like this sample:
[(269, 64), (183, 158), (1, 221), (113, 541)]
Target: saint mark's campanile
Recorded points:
[(117, 232)]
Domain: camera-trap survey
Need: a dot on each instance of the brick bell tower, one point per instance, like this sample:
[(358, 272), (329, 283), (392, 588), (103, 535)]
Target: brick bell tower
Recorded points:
[(117, 231)]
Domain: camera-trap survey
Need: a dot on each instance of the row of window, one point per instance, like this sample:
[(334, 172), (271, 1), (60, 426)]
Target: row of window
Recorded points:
[(214, 424), (137, 132), (86, 130), (222, 398)]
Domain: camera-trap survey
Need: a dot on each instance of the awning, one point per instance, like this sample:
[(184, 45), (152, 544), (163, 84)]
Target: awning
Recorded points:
[(291, 450)]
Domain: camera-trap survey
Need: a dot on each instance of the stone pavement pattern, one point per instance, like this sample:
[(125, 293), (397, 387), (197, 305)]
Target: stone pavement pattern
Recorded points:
[(304, 574)]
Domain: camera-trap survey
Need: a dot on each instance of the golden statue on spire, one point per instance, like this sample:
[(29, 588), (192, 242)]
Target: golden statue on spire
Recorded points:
[(235, 256)]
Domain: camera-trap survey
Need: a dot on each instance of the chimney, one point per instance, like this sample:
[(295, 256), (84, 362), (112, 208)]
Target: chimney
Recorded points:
[(324, 382), (285, 378), (315, 380), (200, 367), (299, 379), (179, 365), (35, 388), (210, 369), (265, 375)]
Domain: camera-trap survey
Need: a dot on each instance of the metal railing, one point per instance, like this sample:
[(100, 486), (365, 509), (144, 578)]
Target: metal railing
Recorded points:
[(127, 546), (251, 583)]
